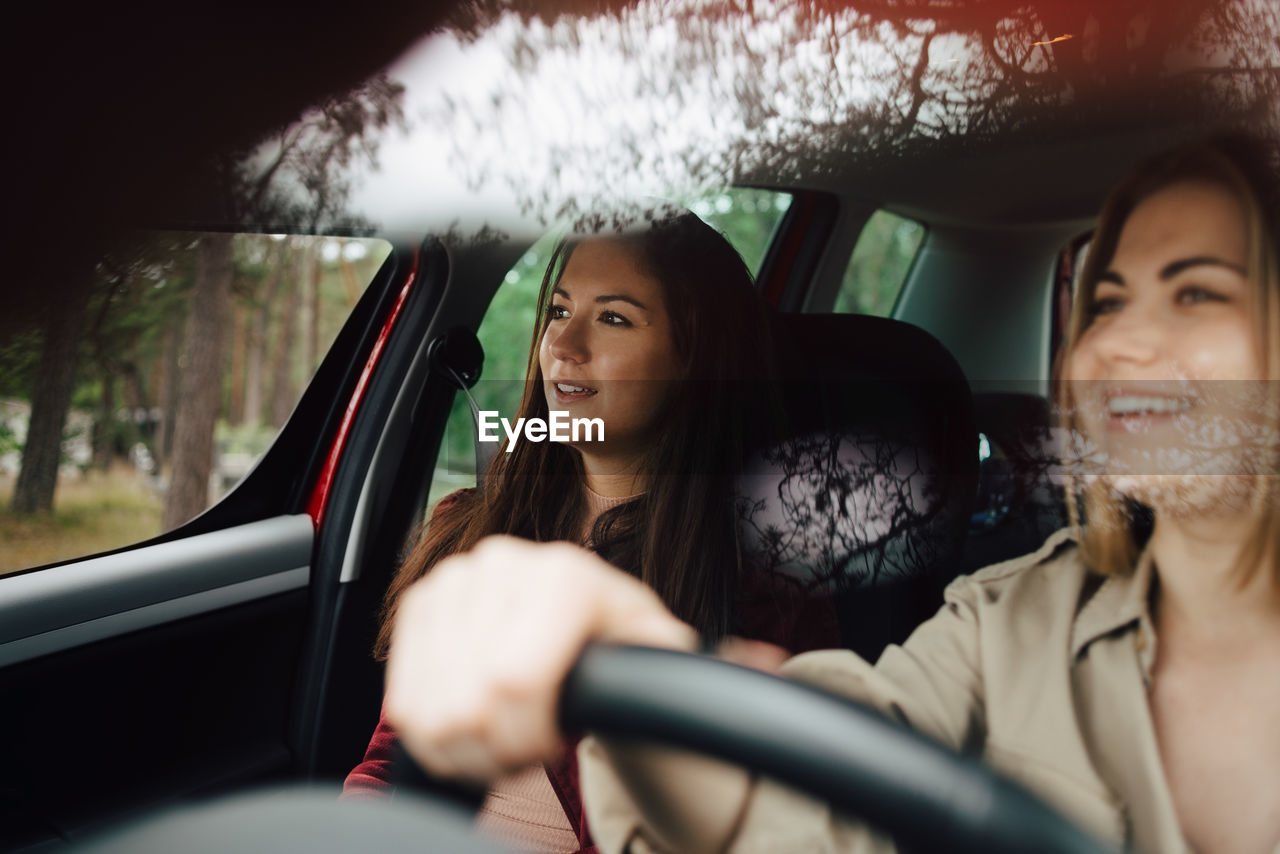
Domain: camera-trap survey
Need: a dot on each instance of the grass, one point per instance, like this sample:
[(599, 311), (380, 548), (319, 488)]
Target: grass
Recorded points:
[(101, 511), (95, 512)]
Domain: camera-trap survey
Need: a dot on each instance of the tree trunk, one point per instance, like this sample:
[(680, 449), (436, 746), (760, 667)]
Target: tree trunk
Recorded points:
[(350, 282), (257, 356), (283, 394), (235, 402), (104, 428), (169, 392), (50, 400), (253, 367), (135, 401), (312, 359), (200, 385)]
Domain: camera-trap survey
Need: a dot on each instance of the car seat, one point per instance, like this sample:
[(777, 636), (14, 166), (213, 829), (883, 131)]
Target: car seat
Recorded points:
[(1020, 499), (868, 496)]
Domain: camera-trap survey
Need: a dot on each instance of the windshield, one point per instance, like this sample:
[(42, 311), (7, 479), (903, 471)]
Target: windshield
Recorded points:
[(559, 115)]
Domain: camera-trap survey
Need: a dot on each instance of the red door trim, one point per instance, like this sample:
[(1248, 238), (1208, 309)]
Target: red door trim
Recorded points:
[(319, 499)]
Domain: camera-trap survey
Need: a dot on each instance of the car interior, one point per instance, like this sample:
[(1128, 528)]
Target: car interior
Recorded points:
[(235, 650)]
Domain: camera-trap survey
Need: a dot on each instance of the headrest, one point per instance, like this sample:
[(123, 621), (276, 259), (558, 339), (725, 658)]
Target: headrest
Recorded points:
[(875, 478), (885, 368), (1020, 500)]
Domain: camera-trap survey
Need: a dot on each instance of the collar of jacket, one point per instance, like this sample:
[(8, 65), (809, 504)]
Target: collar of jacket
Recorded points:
[(1119, 602)]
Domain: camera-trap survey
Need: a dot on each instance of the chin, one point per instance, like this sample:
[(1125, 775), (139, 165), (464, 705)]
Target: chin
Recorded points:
[(1186, 495)]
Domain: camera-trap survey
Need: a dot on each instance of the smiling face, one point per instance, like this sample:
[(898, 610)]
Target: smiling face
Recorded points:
[(608, 351), (1167, 372)]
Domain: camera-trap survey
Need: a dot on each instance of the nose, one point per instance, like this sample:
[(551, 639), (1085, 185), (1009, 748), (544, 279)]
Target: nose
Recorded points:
[(1131, 337), (568, 341)]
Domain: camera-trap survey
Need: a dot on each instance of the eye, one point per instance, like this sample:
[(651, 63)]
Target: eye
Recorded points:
[(612, 318), (557, 312), (1195, 294), (1100, 306)]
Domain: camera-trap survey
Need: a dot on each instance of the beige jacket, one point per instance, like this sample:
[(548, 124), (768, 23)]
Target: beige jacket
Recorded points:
[(1038, 663)]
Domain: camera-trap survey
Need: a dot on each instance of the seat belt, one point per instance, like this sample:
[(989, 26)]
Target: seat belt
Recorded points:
[(458, 357)]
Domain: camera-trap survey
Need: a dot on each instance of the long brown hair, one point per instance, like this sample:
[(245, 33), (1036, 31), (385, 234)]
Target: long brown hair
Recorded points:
[(681, 536), (1111, 527)]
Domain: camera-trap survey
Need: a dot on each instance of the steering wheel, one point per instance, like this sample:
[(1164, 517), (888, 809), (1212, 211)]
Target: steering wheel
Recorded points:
[(925, 795)]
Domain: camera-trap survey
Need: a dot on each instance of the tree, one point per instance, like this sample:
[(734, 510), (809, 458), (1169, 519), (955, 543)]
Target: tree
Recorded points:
[(200, 381), (277, 262), (141, 285), (94, 328), (51, 398), (282, 385), (299, 179), (169, 372)]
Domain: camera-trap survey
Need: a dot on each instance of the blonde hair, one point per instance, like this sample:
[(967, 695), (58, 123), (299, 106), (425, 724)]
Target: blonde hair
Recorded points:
[(1240, 165)]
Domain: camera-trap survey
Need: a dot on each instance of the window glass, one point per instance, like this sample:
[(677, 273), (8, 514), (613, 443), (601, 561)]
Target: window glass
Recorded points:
[(147, 393), (746, 217), (879, 265)]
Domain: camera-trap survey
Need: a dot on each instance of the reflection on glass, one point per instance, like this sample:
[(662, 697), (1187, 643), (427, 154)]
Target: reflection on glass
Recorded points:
[(562, 114)]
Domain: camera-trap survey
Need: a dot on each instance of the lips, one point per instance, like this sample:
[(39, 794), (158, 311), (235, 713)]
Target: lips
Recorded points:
[(1135, 409), (1138, 405), (567, 393)]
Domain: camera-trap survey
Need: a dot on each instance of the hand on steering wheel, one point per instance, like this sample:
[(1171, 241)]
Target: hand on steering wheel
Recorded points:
[(484, 642)]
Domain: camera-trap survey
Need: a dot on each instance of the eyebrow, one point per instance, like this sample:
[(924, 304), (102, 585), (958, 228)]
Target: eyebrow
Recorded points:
[(603, 298), (1173, 268)]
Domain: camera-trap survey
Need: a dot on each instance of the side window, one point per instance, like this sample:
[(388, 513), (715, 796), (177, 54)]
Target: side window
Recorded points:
[(747, 218), (879, 265), (147, 392)]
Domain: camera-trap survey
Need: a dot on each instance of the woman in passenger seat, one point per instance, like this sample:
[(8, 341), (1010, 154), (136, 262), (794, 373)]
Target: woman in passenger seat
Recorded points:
[(1126, 671), (661, 335)]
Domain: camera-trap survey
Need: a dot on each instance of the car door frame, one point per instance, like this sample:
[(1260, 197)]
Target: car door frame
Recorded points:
[(177, 666)]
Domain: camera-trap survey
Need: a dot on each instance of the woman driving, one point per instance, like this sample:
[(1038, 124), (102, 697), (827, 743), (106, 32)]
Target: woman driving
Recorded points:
[(1126, 671)]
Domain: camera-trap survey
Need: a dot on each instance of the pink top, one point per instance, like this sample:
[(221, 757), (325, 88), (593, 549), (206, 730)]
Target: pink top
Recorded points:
[(596, 505), (522, 809)]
